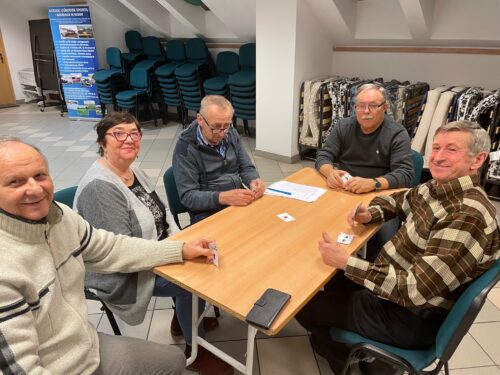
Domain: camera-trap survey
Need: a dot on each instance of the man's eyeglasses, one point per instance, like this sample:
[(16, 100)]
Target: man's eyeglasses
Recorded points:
[(217, 130), (371, 107), (122, 136)]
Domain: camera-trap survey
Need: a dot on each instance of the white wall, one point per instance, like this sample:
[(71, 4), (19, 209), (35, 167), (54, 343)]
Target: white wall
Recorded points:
[(436, 69), (291, 48), (275, 70)]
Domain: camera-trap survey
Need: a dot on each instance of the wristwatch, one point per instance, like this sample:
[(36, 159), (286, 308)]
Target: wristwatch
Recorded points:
[(378, 185)]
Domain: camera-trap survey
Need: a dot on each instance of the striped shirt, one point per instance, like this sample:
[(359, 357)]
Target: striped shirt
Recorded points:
[(449, 236)]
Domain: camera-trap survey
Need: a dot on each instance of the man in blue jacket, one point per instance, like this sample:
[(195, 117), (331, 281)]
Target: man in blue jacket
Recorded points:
[(212, 170)]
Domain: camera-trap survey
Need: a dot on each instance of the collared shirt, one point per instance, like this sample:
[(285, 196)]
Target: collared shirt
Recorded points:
[(449, 237), (221, 148)]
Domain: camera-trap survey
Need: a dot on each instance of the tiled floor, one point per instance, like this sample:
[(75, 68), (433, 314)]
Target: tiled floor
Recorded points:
[(70, 149)]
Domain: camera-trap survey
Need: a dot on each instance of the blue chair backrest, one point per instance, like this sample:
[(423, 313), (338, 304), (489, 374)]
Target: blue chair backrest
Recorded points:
[(133, 40), (139, 78), (227, 63), (247, 56), (174, 202), (176, 51), (196, 51), (464, 311), (418, 164), (66, 196), (114, 59), (152, 47)]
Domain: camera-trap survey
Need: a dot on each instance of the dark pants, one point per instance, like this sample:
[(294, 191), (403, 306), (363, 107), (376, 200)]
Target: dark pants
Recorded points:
[(383, 235), (347, 305)]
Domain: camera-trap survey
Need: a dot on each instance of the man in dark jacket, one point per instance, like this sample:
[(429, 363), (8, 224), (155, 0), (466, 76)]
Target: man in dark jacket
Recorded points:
[(212, 170)]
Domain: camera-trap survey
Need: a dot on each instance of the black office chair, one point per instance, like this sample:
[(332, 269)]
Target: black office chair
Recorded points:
[(449, 336), (67, 196)]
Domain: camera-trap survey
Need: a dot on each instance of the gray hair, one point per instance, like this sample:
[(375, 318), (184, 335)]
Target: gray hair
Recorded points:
[(215, 100), (479, 140), (6, 139), (372, 86)]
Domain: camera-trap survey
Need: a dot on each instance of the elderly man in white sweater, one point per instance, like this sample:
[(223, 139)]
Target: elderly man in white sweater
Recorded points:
[(45, 249)]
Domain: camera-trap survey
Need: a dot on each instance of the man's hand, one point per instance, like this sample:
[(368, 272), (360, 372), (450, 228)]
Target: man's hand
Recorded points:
[(258, 187), (236, 197), (360, 185), (359, 214), (198, 248), (334, 179), (332, 253)]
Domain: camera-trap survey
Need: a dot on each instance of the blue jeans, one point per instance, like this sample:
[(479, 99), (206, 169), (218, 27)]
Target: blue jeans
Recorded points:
[(183, 305)]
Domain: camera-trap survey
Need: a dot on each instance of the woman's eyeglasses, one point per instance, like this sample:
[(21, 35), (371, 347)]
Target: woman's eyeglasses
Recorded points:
[(122, 136)]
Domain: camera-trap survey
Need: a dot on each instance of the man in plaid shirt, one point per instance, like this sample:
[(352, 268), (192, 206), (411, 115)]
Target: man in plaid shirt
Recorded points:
[(449, 236)]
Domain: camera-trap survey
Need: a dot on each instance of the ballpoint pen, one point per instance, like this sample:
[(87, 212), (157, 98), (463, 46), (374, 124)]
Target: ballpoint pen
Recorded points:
[(246, 187), (279, 191)]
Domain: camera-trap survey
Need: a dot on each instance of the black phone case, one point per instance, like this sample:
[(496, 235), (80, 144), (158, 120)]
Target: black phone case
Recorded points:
[(267, 307)]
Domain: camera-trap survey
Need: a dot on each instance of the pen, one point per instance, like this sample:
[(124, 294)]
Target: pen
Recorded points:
[(280, 191), (246, 187)]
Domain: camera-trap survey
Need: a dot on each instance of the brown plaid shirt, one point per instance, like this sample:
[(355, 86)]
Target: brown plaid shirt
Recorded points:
[(449, 236)]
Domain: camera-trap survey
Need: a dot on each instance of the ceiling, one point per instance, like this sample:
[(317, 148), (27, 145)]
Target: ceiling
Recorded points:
[(345, 22)]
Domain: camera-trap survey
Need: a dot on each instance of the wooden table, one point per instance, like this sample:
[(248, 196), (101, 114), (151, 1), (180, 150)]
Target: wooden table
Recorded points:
[(259, 251)]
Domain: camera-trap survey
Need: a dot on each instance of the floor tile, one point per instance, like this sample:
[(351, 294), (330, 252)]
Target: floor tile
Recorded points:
[(484, 334), (488, 313), (286, 356), (77, 148), (139, 331), (94, 319), (494, 296), (160, 328), (469, 354), (488, 370)]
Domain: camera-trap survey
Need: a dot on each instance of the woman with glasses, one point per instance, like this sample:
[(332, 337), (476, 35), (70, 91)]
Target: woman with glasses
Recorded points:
[(118, 196)]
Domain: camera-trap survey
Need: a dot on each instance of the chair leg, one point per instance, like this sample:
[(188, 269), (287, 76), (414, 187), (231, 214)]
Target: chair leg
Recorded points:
[(164, 113), (247, 129), (446, 370), (217, 312), (151, 109), (112, 320)]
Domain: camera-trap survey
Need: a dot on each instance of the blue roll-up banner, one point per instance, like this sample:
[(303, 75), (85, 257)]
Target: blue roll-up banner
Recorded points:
[(76, 54)]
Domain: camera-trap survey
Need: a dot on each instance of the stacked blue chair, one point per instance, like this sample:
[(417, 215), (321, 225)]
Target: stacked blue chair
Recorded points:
[(110, 81), (154, 52), (165, 75), (242, 86), (139, 94), (133, 40), (227, 64), (191, 75)]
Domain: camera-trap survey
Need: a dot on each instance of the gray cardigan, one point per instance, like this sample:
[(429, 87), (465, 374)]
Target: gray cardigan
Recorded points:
[(107, 203)]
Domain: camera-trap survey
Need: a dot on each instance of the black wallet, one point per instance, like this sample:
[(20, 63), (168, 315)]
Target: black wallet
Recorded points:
[(267, 307)]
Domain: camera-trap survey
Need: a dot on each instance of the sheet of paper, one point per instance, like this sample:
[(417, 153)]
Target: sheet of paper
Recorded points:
[(295, 191)]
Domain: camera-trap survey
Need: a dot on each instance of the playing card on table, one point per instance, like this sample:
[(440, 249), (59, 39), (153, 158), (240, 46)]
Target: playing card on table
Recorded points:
[(344, 238), (346, 177), (286, 217), (213, 247)]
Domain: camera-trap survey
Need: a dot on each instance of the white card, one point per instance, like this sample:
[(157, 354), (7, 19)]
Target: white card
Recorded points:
[(346, 177), (286, 217), (344, 238), (215, 253)]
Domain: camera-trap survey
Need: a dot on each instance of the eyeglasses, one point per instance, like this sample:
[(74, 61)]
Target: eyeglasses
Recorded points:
[(371, 107), (122, 136), (217, 130)]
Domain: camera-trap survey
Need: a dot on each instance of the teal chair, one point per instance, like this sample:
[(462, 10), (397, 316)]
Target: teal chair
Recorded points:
[(449, 336), (67, 197), (418, 164), (174, 201)]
